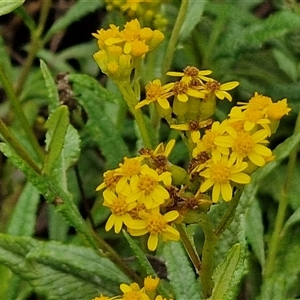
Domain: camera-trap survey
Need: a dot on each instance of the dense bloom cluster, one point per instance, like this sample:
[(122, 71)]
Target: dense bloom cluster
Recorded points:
[(136, 191), (122, 51), (133, 291), (148, 12)]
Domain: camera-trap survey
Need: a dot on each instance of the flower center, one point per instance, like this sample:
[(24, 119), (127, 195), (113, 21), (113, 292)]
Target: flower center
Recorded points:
[(119, 206), (219, 173), (190, 71), (147, 183), (156, 224), (209, 139), (111, 179), (131, 167), (193, 125), (243, 143), (180, 88), (133, 295), (213, 85), (153, 91), (253, 115)]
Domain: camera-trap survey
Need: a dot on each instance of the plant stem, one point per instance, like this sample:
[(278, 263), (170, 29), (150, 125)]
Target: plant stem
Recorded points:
[(283, 203), (208, 250), (131, 100), (18, 148), (35, 45), (189, 248), (174, 38), (15, 103), (229, 214)]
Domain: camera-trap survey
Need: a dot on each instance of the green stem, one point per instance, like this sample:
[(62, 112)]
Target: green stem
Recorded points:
[(131, 100), (18, 148), (193, 255), (15, 103), (283, 203), (210, 242), (229, 214), (35, 45), (174, 38)]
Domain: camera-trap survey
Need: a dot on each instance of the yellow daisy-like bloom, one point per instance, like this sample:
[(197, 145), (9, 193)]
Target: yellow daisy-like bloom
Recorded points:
[(132, 292), (182, 91), (110, 180), (278, 109), (157, 225), (120, 206), (147, 189), (251, 118), (246, 145), (155, 92), (150, 284), (207, 143), (257, 102), (220, 90), (191, 72), (219, 174), (128, 170)]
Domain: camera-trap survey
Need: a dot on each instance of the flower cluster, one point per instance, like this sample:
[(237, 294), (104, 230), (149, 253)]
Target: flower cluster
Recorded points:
[(133, 291), (135, 193), (193, 97), (147, 12), (122, 51)]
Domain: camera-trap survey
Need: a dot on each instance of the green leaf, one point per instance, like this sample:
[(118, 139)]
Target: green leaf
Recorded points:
[(292, 220), (180, 273), (225, 275), (140, 255), (80, 9), (193, 17), (60, 271), (90, 94), (53, 97), (8, 6), (255, 231), (57, 125), (23, 219)]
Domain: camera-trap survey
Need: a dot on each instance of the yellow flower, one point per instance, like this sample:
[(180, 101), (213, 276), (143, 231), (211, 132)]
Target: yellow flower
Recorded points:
[(182, 91), (157, 225), (219, 173), (150, 284), (207, 143), (190, 72), (110, 180), (278, 109), (133, 292), (120, 206), (246, 145), (147, 189), (101, 297), (257, 102), (155, 92), (220, 90), (250, 117)]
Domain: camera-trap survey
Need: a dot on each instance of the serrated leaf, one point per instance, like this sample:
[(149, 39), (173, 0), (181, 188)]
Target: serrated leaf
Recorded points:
[(23, 219), (60, 271), (255, 231), (91, 95), (57, 125), (224, 274), (8, 6), (53, 98), (180, 273), (80, 9), (193, 17)]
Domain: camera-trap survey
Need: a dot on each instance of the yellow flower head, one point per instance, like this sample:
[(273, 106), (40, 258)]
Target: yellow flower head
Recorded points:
[(219, 174), (133, 292), (155, 92), (220, 90), (156, 225), (120, 206), (150, 284), (277, 110), (147, 187), (257, 102)]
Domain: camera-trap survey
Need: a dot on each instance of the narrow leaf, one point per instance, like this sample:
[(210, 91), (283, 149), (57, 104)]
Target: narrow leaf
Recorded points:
[(23, 219), (60, 271), (53, 97), (181, 275), (224, 274), (57, 125), (8, 6)]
